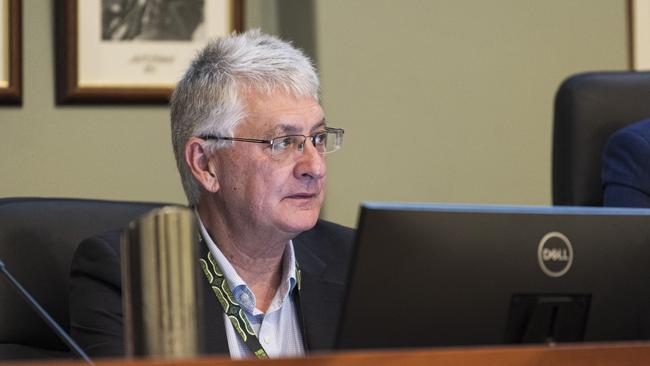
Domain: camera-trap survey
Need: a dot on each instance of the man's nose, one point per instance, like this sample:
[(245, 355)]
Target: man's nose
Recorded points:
[(310, 163)]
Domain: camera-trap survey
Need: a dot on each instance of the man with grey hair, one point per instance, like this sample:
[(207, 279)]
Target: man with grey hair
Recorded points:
[(249, 137)]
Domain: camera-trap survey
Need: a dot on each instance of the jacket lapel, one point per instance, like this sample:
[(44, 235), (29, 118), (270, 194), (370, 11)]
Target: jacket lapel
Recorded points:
[(321, 300), (213, 328)]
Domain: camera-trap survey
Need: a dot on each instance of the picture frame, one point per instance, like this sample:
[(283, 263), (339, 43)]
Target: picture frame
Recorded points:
[(128, 51), (11, 52), (639, 21)]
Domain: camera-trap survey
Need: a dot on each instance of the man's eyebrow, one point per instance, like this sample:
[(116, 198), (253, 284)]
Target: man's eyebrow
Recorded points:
[(319, 125), (282, 129), (288, 129)]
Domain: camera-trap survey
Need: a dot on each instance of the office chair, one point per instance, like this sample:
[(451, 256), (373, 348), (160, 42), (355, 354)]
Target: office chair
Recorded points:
[(38, 237), (589, 107)]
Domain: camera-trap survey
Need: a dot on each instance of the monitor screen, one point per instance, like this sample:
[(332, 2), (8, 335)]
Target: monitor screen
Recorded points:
[(444, 275)]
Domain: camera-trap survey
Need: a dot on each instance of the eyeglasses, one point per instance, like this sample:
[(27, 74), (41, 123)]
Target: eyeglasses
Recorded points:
[(282, 147)]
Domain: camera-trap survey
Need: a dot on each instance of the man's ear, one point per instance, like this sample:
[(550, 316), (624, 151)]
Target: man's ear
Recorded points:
[(203, 168)]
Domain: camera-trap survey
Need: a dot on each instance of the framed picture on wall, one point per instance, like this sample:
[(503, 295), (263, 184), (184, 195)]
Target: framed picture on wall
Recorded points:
[(133, 51), (639, 34), (10, 52)]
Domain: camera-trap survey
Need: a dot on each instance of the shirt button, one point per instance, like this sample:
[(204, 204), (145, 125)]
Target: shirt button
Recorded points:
[(267, 339)]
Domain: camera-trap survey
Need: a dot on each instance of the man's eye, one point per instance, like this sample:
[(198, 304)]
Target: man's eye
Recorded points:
[(282, 143), (320, 139)]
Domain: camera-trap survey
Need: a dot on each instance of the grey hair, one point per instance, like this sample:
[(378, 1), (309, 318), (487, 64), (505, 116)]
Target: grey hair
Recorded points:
[(209, 97)]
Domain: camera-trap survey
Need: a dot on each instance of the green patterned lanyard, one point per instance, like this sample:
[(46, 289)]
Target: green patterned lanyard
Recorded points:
[(231, 307)]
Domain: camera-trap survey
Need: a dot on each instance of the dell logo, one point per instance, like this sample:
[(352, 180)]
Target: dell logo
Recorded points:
[(555, 254)]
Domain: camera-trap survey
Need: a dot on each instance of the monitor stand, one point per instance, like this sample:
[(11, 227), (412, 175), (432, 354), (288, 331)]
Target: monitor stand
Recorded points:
[(536, 318)]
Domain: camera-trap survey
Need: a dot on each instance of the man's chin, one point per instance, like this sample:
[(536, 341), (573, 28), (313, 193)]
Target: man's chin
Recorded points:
[(301, 222)]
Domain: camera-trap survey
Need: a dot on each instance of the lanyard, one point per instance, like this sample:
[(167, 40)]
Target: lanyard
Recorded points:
[(231, 307)]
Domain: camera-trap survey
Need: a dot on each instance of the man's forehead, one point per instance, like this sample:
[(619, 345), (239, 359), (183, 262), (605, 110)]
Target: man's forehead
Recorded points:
[(283, 106), (280, 112), (278, 100)]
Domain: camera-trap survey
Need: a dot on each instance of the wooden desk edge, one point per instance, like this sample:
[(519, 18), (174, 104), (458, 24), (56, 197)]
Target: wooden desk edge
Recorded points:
[(628, 353)]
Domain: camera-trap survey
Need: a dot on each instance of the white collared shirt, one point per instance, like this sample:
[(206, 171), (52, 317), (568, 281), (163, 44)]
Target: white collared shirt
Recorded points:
[(278, 330)]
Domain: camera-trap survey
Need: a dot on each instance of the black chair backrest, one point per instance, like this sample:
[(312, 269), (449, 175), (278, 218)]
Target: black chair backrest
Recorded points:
[(38, 237), (589, 107)]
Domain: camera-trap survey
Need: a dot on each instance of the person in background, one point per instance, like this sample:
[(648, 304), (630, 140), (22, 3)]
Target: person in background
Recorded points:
[(626, 167)]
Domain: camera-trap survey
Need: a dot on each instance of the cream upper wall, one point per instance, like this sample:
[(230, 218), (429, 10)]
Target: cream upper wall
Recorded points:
[(441, 101), (452, 101)]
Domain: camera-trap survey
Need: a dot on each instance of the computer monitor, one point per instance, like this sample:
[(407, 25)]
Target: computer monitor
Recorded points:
[(442, 275)]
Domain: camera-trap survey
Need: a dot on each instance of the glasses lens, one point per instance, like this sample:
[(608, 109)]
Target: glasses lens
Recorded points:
[(281, 147), (333, 141), (324, 142)]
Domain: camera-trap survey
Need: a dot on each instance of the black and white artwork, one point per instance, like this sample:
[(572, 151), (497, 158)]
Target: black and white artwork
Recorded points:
[(153, 20), (133, 51)]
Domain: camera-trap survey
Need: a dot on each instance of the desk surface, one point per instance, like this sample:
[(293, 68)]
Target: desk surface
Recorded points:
[(636, 353)]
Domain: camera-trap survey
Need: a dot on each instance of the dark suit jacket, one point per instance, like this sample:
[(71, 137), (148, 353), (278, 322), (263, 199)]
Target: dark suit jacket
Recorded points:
[(96, 298), (626, 167)]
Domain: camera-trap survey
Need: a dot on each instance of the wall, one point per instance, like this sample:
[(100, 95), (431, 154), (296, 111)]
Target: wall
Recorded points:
[(441, 101), (111, 152), (452, 101)]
